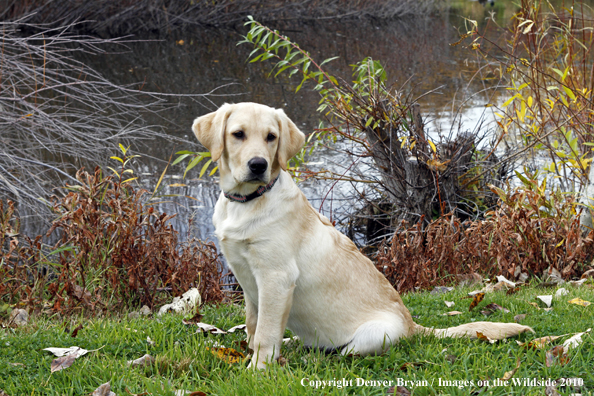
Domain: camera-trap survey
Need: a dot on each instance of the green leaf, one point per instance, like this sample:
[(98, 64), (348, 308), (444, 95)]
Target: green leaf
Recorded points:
[(180, 159), (569, 92), (205, 167), (193, 163)]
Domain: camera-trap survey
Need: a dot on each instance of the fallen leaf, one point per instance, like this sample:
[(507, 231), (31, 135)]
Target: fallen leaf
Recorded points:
[(538, 343), (76, 330), (483, 337), (452, 313), (74, 350), (281, 360), (577, 283), (150, 342), (103, 390), (556, 356), (548, 299), (63, 362), (476, 300), (2, 393), (501, 278), (16, 365), (574, 341), (207, 328), (449, 304), (579, 301), (588, 274), (561, 292), (141, 361), (228, 355), (197, 393), (512, 291), (519, 318), (238, 327), (451, 358), (534, 305), (491, 308), (509, 374)]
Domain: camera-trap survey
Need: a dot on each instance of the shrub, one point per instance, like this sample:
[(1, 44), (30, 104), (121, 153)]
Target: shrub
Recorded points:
[(526, 233), (114, 251)]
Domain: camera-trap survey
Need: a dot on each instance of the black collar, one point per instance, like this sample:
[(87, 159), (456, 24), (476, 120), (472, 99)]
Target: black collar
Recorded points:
[(258, 193)]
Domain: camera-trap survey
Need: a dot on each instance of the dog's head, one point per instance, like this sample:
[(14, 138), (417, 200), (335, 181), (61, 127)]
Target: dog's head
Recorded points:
[(250, 142)]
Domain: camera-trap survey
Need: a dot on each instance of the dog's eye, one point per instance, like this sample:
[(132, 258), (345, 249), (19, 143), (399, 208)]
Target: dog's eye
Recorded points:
[(239, 134), (270, 137)]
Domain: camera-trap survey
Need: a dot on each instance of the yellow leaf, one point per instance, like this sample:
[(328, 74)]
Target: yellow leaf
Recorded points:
[(579, 301), (228, 355), (432, 146), (178, 185)]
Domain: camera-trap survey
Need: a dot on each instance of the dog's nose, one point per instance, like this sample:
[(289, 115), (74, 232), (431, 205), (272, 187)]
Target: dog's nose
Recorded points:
[(258, 165)]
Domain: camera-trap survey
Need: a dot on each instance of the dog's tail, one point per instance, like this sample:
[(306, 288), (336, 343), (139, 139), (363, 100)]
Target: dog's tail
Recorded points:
[(492, 330)]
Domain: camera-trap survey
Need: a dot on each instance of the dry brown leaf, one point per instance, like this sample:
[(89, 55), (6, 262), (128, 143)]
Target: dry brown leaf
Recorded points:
[(557, 356), (76, 330), (535, 305), (141, 361), (197, 393), (194, 319), (404, 366), (281, 360), (509, 374), (476, 300), (63, 362), (208, 328), (588, 274), (103, 390), (491, 308)]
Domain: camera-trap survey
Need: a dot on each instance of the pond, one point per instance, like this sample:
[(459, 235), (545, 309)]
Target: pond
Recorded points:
[(196, 61)]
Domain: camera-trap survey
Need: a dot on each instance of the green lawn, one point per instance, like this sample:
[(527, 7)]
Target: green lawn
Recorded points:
[(184, 363)]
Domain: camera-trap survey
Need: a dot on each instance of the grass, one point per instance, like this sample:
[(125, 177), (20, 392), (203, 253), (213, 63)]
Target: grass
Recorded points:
[(184, 363)]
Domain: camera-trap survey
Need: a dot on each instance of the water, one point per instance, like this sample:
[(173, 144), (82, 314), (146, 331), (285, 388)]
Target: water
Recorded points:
[(202, 60)]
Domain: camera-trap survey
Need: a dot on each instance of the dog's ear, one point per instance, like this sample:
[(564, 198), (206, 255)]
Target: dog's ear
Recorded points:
[(210, 130), (291, 139)]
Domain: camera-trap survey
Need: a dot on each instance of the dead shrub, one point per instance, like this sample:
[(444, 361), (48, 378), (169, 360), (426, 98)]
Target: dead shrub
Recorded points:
[(114, 252), (528, 232)]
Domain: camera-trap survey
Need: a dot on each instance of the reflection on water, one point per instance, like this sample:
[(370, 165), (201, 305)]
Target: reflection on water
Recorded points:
[(201, 60)]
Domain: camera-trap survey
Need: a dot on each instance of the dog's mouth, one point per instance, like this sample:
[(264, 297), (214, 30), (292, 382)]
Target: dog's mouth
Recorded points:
[(256, 179)]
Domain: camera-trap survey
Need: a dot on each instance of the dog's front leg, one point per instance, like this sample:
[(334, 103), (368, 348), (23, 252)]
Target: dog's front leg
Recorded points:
[(275, 298), (251, 320)]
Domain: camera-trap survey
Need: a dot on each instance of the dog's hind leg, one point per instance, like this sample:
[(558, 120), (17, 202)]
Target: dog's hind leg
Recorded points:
[(376, 336)]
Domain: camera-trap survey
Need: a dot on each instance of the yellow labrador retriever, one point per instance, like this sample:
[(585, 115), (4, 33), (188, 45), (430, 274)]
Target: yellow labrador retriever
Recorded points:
[(295, 268)]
